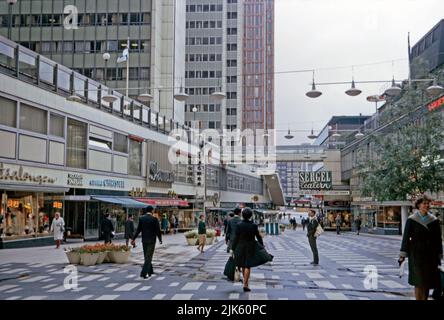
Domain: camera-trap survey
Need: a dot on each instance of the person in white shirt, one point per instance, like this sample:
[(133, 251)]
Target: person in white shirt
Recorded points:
[(58, 227)]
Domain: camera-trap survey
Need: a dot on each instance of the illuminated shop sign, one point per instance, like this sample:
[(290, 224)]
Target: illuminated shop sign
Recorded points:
[(436, 104)]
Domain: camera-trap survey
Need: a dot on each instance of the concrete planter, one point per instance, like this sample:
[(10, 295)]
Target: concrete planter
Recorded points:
[(88, 259), (191, 241), (119, 256), (73, 257), (102, 257)]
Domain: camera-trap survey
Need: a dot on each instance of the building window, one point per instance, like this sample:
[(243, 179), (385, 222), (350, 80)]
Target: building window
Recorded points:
[(100, 143), (135, 158), (120, 143), (57, 125), (33, 119), (76, 144), (8, 111)]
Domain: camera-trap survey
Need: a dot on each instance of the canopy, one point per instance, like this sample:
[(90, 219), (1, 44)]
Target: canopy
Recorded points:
[(124, 202)]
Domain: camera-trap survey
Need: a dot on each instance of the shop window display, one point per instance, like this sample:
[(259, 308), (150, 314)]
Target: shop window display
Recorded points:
[(27, 214)]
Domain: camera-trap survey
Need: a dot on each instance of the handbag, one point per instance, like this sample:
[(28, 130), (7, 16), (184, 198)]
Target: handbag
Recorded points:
[(236, 275), (230, 269), (318, 231), (62, 228)]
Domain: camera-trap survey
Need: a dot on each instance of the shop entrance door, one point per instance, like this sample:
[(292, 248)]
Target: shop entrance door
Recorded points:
[(75, 218), (92, 221)]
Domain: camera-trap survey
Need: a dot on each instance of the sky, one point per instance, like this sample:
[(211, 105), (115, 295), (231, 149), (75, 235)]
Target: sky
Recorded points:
[(331, 36)]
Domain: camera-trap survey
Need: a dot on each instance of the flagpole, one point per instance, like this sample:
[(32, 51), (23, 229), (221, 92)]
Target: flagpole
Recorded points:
[(127, 67)]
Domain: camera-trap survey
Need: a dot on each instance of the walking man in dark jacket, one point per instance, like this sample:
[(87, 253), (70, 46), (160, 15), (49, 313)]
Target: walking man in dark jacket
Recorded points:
[(312, 225), (149, 226), (129, 229), (231, 228), (107, 228)]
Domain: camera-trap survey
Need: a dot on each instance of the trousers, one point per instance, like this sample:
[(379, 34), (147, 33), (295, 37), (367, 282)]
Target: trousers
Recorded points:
[(314, 249), (148, 252)]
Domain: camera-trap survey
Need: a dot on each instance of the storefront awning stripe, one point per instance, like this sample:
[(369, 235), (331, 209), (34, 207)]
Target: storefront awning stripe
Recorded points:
[(124, 202), (49, 189)]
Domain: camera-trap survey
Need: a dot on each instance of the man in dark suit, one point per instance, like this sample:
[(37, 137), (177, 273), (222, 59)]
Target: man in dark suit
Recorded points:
[(107, 228), (312, 225), (231, 228), (150, 228)]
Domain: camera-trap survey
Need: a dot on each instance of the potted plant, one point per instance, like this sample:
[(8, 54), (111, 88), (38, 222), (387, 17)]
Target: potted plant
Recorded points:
[(119, 254), (211, 233), (88, 255), (103, 250), (191, 237), (73, 255)]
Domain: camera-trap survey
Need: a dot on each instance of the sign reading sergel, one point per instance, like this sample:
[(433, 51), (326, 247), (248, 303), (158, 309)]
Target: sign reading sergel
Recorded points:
[(159, 175), (108, 183), (321, 180)]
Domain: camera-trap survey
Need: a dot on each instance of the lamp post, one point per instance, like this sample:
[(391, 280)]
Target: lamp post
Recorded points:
[(106, 56), (10, 3)]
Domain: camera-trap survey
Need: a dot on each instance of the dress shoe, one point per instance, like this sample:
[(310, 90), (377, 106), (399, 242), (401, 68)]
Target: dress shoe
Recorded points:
[(144, 277), (246, 289), (314, 263)]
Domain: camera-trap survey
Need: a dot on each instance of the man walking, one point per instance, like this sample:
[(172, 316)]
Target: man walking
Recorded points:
[(231, 228), (338, 222), (358, 223), (149, 226), (129, 229), (107, 228), (311, 230)]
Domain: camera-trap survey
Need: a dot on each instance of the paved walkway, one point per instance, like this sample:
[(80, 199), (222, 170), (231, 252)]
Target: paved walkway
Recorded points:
[(346, 261)]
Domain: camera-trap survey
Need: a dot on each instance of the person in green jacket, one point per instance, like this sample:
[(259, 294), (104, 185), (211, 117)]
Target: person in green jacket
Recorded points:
[(202, 231)]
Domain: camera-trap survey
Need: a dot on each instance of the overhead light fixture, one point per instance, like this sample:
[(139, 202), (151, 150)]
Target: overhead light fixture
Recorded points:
[(312, 136), (435, 89), (353, 91), (74, 98), (218, 95), (145, 97), (181, 96), (289, 136), (394, 90), (313, 93), (109, 97), (359, 135), (336, 135)]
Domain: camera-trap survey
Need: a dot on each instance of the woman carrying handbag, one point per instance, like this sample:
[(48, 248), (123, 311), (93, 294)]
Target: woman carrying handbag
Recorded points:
[(247, 251)]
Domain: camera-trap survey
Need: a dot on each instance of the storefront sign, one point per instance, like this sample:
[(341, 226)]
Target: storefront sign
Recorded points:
[(436, 104), (138, 192), (324, 192), (108, 183), (23, 176), (160, 175), (337, 204), (164, 202), (75, 179), (321, 180)]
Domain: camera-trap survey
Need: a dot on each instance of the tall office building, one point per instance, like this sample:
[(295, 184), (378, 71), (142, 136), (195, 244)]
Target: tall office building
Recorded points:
[(258, 64), (229, 47), (155, 29)]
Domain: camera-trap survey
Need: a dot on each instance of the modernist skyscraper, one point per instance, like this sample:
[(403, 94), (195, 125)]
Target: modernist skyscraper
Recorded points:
[(230, 47)]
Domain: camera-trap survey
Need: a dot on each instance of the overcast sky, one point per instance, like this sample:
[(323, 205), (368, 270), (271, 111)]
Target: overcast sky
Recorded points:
[(317, 34)]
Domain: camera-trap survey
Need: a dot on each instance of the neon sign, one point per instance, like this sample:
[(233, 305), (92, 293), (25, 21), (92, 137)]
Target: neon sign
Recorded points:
[(436, 104)]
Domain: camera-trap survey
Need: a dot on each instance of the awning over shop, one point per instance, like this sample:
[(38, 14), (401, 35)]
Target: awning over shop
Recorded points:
[(163, 202), (48, 189), (124, 202)]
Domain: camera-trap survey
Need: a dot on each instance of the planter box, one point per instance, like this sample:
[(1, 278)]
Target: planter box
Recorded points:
[(209, 240), (73, 257), (102, 257), (119, 256), (192, 241), (88, 259)]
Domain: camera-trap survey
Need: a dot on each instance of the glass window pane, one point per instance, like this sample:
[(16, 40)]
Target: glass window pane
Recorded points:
[(135, 158), (63, 80), (120, 143), (46, 72), (57, 125), (8, 112), (27, 64), (76, 144), (99, 143), (33, 119)]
